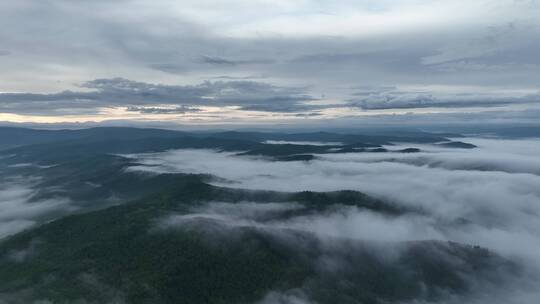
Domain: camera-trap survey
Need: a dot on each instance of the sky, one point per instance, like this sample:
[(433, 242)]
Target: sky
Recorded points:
[(266, 62)]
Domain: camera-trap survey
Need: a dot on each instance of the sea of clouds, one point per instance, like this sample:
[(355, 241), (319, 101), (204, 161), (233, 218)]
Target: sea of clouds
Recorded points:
[(488, 196)]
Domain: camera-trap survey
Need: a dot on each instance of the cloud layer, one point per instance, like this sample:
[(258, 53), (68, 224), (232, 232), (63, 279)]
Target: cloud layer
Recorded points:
[(486, 196), (304, 50), (119, 92)]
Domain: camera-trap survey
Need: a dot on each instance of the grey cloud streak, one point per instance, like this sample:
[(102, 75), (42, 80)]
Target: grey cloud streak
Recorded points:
[(390, 98), (225, 61), (124, 92), (154, 110)]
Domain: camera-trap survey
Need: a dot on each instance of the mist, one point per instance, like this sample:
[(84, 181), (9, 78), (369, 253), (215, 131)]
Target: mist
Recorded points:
[(488, 196), (18, 209)]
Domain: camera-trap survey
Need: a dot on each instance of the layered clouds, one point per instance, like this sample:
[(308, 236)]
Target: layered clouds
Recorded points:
[(146, 97), (288, 56), (391, 98)]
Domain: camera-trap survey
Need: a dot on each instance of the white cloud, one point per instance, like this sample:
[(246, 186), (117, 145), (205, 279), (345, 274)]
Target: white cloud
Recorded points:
[(18, 211), (485, 196)]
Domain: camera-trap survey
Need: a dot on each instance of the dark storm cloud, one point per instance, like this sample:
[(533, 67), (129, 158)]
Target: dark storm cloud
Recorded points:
[(123, 92)]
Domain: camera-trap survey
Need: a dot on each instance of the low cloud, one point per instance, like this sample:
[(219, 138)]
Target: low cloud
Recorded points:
[(18, 210), (510, 156), (337, 222), (493, 205), (340, 241), (290, 297)]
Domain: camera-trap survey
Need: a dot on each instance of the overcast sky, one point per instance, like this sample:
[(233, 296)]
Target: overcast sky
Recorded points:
[(267, 61)]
